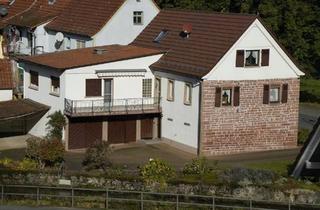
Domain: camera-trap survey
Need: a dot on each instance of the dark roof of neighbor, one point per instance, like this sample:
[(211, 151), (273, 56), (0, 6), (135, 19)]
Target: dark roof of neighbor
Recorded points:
[(6, 81), (10, 109), (17, 7), (89, 56), (212, 35), (40, 12), (85, 17)]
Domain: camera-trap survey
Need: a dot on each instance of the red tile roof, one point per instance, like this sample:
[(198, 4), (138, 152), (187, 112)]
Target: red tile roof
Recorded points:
[(6, 81), (85, 17), (211, 37), (40, 12), (88, 56), (18, 6)]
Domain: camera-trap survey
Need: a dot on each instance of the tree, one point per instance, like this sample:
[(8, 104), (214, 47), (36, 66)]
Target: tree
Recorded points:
[(55, 125)]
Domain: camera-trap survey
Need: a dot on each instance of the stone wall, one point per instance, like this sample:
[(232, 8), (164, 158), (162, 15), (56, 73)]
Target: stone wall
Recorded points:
[(252, 126)]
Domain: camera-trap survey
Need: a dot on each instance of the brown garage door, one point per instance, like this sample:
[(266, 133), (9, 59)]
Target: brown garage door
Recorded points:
[(123, 131), (82, 134), (147, 128)]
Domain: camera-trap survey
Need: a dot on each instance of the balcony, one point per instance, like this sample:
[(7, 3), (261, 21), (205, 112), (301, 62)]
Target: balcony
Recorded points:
[(82, 108)]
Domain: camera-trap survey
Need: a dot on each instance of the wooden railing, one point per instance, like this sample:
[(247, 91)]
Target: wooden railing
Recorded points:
[(114, 106)]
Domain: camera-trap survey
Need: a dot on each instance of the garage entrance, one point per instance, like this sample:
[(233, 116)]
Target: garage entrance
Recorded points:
[(147, 128), (83, 132), (122, 131)]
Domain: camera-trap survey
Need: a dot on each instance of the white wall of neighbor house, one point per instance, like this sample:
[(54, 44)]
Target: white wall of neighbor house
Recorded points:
[(256, 37), (6, 95), (179, 121), (120, 28), (43, 94), (123, 86)]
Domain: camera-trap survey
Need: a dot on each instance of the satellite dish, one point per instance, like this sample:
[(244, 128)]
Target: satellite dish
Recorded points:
[(59, 37)]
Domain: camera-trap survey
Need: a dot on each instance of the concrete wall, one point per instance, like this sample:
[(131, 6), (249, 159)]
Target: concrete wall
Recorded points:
[(42, 95), (6, 95), (176, 114), (120, 28)]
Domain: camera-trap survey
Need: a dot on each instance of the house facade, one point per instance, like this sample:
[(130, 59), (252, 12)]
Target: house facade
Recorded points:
[(207, 83)]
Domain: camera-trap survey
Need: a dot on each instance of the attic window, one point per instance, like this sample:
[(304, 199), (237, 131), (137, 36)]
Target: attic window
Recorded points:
[(160, 36)]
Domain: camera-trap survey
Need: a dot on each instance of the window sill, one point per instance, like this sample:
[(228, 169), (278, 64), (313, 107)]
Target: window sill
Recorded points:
[(138, 24), (170, 100), (54, 94), (34, 88), (187, 104), (93, 97)]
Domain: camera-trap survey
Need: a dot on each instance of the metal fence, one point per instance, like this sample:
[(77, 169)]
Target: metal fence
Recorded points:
[(115, 199)]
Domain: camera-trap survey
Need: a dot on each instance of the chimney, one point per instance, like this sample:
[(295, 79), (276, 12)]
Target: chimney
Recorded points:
[(186, 30)]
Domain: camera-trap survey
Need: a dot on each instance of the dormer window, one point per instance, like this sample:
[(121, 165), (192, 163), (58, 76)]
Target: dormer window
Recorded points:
[(252, 57), (160, 36)]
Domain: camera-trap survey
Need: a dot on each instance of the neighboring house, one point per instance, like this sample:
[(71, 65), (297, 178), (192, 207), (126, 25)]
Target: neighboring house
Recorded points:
[(6, 83), (225, 84), (108, 88), (91, 23)]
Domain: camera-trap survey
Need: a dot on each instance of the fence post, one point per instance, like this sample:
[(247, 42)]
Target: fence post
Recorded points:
[(107, 198), (177, 202), (250, 203), (2, 194), (289, 204), (72, 198), (213, 203), (141, 201), (38, 196)]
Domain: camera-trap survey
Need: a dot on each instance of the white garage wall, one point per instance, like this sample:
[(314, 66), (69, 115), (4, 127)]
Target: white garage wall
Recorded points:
[(180, 113), (6, 95)]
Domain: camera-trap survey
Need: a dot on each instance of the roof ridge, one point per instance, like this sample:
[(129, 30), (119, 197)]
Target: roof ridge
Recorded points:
[(208, 12)]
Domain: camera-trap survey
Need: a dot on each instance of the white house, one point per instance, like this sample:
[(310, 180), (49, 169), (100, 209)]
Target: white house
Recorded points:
[(208, 83)]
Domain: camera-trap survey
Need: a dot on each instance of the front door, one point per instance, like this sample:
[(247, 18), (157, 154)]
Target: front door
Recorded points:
[(107, 94)]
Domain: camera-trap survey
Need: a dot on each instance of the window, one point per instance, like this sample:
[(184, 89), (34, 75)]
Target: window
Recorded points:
[(34, 79), (252, 57), (81, 44), (68, 43), (160, 36), (55, 85), (93, 87), (226, 96), (170, 94), (147, 88), (187, 93), (274, 96), (29, 37), (137, 18)]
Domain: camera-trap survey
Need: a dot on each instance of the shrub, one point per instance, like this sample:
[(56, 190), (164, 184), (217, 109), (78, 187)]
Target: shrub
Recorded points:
[(51, 152), (238, 176), (198, 166), (24, 165), (45, 152), (97, 156), (55, 125), (303, 135), (157, 171)]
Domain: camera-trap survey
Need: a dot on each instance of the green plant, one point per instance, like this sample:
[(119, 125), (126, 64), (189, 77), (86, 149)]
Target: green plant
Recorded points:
[(55, 125), (157, 171), (97, 156), (27, 165), (33, 148), (303, 135), (197, 166)]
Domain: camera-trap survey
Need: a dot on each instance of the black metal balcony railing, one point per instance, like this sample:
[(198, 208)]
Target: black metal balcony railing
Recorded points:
[(114, 106)]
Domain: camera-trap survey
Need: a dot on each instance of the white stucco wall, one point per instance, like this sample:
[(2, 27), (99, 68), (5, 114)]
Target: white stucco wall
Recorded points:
[(42, 95), (5, 95), (123, 87), (120, 28), (180, 113), (256, 37)]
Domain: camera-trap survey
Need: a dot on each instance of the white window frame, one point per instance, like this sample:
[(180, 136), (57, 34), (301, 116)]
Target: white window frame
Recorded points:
[(170, 91), (54, 90), (245, 58), (81, 44), (147, 88), (136, 16), (272, 87), (231, 96), (187, 98)]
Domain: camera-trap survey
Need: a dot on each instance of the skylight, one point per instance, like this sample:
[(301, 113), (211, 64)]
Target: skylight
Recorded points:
[(160, 36)]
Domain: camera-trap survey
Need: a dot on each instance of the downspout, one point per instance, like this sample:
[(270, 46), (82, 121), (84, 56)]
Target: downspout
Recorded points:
[(199, 119)]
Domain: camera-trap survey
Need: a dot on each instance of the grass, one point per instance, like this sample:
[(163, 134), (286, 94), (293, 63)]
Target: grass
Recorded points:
[(279, 167)]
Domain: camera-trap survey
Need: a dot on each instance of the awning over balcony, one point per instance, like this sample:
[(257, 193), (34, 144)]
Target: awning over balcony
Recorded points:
[(121, 73)]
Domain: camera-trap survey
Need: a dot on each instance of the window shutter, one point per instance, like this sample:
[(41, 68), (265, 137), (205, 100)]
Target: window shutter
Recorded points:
[(284, 98), (266, 94), (218, 97), (93, 87), (240, 58), (236, 96), (265, 57)]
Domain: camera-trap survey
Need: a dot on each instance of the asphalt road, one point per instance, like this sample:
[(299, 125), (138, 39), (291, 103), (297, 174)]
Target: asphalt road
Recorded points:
[(34, 208)]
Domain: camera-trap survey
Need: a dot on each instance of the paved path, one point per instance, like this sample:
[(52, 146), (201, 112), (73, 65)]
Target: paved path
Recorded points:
[(34, 208)]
